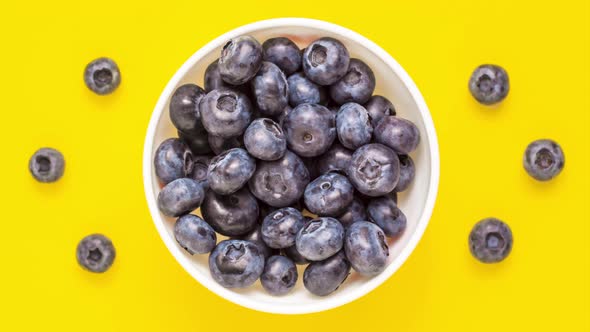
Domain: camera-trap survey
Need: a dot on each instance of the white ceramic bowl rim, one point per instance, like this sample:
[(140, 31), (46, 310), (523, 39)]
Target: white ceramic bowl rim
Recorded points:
[(370, 284)]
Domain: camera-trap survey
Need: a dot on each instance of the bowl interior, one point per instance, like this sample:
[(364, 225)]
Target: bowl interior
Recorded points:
[(392, 82)]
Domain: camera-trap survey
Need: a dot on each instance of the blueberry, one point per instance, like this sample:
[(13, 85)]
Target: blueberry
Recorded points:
[(353, 126), (225, 112), (325, 61), (320, 238), (47, 165), (354, 212), (184, 108), (279, 275), (489, 84), (236, 263), (255, 236), (201, 169), (280, 118), (399, 134), (328, 195), (102, 76), (282, 52), (379, 107), (294, 255), (366, 248), (230, 171), (173, 160), (197, 141), (231, 215), (240, 60), (407, 171), (543, 159), (337, 159), (324, 277), (356, 86), (374, 170), (280, 227), (221, 144), (264, 139), (95, 253), (213, 79), (490, 240), (304, 91), (384, 212), (279, 183), (194, 234), (270, 89), (310, 129), (180, 196)]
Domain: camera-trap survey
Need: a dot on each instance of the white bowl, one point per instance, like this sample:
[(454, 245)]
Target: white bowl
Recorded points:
[(417, 202)]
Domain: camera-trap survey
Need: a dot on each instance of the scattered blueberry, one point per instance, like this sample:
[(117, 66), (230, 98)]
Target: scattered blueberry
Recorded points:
[(184, 108), (295, 256), (310, 129), (543, 159), (407, 171), (236, 263), (320, 238), (194, 234), (102, 76), (356, 86), (280, 227), (225, 112), (279, 275), (379, 107), (490, 240), (173, 160), (180, 196), (240, 60), (221, 144), (264, 139), (324, 277), (282, 52), (201, 169), (95, 253), (230, 171), (325, 61), (374, 170), (198, 142), (47, 165), (366, 248), (336, 159), (353, 126), (304, 91), (489, 84), (231, 215), (270, 89), (399, 134), (384, 212), (354, 212), (255, 236), (328, 195)]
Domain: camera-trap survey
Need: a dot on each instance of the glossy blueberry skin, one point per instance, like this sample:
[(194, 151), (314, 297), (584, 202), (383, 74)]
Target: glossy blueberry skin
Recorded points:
[(354, 212), (328, 195), (236, 263), (353, 126), (304, 91), (270, 89), (280, 183), (264, 139), (399, 134), (366, 248), (184, 108), (255, 236), (213, 79), (230, 171), (279, 275), (379, 107), (222, 144), (356, 86), (336, 159), (489, 84), (295, 256), (231, 215), (384, 212), (407, 172), (320, 238), (47, 165), (173, 160), (225, 113), (324, 277), (279, 228), (240, 59), (102, 76), (180, 196), (310, 129), (543, 159), (325, 61), (490, 240), (282, 52), (194, 234), (95, 253), (374, 170), (198, 142), (201, 169)]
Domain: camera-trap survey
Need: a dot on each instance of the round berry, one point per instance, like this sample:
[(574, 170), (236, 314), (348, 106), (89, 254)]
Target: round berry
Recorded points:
[(95, 253), (47, 165), (282, 52), (240, 59), (356, 86), (102, 76), (194, 234), (543, 159), (490, 240), (489, 84), (325, 61)]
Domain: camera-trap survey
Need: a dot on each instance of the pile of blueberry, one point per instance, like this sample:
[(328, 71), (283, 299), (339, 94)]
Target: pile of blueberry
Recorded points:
[(276, 134)]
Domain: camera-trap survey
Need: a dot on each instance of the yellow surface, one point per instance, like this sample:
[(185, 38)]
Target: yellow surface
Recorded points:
[(543, 286)]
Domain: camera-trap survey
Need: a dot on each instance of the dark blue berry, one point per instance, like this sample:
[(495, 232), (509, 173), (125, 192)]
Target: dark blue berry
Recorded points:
[(201, 169), (374, 170), (279, 275), (325, 61), (230, 171), (407, 171), (328, 195), (194, 234), (180, 196), (543, 159), (282, 52), (231, 215), (354, 212), (213, 79), (379, 107), (197, 141), (336, 159), (356, 86), (102, 76), (47, 165), (366, 248), (236, 263), (320, 238), (353, 126), (294, 255), (489, 84), (240, 59), (280, 227), (173, 160), (324, 277), (270, 89), (225, 112), (221, 144), (304, 91), (399, 134), (264, 139), (255, 236), (384, 212), (184, 108), (95, 253), (490, 240), (310, 129)]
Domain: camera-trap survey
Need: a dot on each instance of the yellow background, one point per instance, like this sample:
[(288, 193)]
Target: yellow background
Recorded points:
[(543, 286)]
